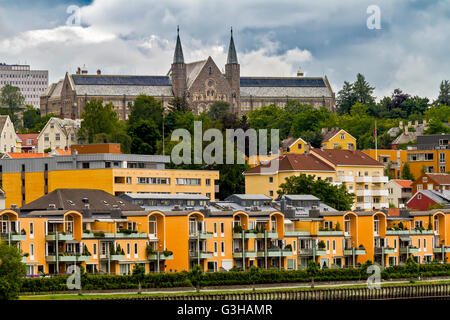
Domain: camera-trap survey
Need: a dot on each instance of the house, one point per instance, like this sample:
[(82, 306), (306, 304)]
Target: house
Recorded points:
[(358, 172), (338, 139), (29, 142), (8, 137), (431, 181), (399, 192), (58, 134), (426, 199)]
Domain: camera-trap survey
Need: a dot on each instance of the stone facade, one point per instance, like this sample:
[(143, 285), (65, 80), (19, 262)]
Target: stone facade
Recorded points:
[(202, 83)]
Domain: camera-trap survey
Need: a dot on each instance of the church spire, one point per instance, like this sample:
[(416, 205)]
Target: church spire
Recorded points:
[(232, 56), (178, 55)]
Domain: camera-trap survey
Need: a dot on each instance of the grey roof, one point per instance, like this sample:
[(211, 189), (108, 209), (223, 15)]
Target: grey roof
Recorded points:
[(300, 197), (120, 90), (47, 213), (178, 54), (232, 56), (438, 196), (286, 91), (192, 71), (72, 199), (177, 196), (282, 82), (250, 197), (107, 80)]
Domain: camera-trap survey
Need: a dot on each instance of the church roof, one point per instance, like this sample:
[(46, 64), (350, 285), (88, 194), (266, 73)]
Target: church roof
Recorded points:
[(283, 92), (232, 56), (178, 54), (192, 71), (282, 82), (121, 80)]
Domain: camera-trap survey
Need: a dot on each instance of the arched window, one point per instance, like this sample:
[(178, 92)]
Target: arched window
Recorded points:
[(152, 229), (376, 225), (69, 224), (347, 225), (273, 222)]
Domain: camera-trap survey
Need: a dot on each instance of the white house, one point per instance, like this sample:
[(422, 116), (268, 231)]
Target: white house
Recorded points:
[(58, 134), (8, 137)]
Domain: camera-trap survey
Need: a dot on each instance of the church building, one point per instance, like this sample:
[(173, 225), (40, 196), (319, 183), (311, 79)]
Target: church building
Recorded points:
[(201, 83)]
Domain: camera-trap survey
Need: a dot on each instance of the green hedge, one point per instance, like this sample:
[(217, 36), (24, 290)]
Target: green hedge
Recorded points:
[(261, 276)]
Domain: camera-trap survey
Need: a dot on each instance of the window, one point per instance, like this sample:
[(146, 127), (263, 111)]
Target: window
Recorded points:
[(428, 156), (270, 179), (215, 249), (31, 251), (128, 250), (208, 182), (425, 179), (271, 193), (334, 246), (31, 230), (222, 229), (222, 248), (107, 164), (419, 196), (128, 180), (299, 146), (85, 165), (215, 229), (376, 225), (442, 157), (156, 180), (188, 181), (328, 224), (328, 246), (57, 137), (418, 224), (342, 136), (135, 249), (94, 250)]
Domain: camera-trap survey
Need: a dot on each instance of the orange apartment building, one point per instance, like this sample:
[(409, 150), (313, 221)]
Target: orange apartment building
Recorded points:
[(168, 233)]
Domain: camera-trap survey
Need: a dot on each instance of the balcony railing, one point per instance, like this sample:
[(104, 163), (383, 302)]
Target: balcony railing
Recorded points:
[(203, 254), (408, 232), (355, 250), (408, 250), (13, 236), (67, 257), (384, 250), (61, 237)]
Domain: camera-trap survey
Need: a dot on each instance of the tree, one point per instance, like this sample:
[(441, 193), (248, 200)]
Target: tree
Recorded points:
[(435, 126), (312, 270), (101, 124), (11, 271), (31, 117), (346, 98), (139, 274), (144, 135), (218, 109), (179, 104), (11, 99), (406, 172), (334, 196), (444, 94), (145, 108), (363, 91), (196, 276)]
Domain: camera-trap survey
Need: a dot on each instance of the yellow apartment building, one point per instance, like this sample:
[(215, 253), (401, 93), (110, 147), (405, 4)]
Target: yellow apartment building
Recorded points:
[(359, 173), (25, 180), (428, 161), (168, 233)]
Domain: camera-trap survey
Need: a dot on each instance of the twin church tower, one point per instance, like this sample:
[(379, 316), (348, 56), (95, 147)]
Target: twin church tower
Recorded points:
[(202, 83)]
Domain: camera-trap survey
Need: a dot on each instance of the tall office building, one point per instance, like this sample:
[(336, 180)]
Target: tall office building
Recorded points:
[(32, 83)]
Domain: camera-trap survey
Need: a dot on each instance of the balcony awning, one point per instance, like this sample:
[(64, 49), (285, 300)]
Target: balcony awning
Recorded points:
[(263, 219)]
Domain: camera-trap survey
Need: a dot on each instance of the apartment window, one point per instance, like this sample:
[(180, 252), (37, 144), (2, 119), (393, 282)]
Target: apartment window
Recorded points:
[(328, 224), (419, 196), (428, 156), (208, 182), (215, 229), (31, 230), (418, 224), (222, 229), (270, 179), (299, 146), (328, 246), (215, 249), (94, 250), (31, 251), (156, 180), (335, 145), (424, 244), (342, 136), (271, 193), (442, 157), (425, 179), (418, 244), (222, 248), (128, 180), (442, 169), (107, 164), (188, 181), (334, 246), (128, 250), (57, 137), (135, 249), (85, 165)]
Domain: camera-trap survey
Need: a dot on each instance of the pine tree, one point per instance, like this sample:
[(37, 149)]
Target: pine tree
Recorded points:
[(444, 94), (406, 172)]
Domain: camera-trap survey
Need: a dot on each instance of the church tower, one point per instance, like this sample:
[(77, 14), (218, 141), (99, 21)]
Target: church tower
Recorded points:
[(233, 75), (178, 73)]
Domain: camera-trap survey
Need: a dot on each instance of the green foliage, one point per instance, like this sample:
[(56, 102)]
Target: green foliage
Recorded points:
[(444, 94), (334, 196), (31, 117), (12, 271), (139, 272), (218, 109), (435, 126), (11, 99), (406, 172)]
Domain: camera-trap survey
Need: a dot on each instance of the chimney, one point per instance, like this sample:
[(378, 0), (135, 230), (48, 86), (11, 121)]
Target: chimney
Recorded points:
[(78, 70), (51, 206), (300, 72), (116, 212), (99, 72)]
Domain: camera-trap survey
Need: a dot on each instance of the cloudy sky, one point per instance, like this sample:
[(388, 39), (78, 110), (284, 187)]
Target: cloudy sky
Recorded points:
[(410, 51)]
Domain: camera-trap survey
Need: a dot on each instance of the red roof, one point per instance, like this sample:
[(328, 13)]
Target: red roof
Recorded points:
[(295, 162), (26, 136), (440, 178), (346, 157), (20, 155), (403, 183)]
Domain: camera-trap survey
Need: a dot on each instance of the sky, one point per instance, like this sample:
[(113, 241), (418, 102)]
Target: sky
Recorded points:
[(409, 48)]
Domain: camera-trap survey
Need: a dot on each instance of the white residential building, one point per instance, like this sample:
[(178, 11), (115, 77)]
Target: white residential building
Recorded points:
[(58, 134), (8, 137)]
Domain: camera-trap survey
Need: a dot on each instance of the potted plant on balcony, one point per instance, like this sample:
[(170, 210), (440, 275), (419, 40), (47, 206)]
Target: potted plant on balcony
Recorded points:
[(321, 245), (23, 232), (167, 253), (86, 251), (338, 226), (237, 229), (149, 251)]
